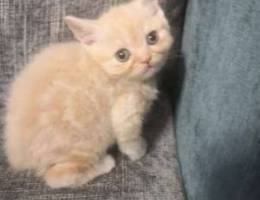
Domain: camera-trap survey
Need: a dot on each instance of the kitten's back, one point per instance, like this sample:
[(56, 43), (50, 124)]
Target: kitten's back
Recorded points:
[(58, 62), (41, 70)]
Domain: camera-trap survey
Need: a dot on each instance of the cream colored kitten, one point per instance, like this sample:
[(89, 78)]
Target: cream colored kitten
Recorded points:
[(76, 99)]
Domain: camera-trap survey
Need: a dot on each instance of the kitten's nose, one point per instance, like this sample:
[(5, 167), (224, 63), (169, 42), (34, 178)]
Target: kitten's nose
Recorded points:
[(145, 59)]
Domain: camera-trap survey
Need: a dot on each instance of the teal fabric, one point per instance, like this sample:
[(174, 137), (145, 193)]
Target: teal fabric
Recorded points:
[(218, 117)]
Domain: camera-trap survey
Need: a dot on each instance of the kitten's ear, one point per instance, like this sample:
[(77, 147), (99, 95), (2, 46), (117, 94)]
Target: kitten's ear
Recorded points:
[(85, 31), (152, 4)]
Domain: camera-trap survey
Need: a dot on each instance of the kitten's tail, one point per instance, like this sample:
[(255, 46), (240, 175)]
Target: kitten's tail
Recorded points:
[(76, 173)]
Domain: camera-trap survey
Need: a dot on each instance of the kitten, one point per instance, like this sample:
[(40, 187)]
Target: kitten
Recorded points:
[(74, 100)]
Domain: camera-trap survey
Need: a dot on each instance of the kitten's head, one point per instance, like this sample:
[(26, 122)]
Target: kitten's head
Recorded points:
[(130, 41)]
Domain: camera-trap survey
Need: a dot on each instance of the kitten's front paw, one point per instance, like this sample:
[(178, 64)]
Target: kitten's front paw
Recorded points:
[(134, 149)]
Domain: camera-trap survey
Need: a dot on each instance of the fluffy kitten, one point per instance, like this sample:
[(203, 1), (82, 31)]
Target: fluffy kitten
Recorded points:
[(76, 99)]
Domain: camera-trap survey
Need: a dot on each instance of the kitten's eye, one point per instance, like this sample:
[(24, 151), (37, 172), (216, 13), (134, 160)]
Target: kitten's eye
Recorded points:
[(123, 55), (152, 38)]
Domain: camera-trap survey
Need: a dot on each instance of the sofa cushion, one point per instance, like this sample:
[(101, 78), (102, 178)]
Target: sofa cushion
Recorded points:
[(218, 117)]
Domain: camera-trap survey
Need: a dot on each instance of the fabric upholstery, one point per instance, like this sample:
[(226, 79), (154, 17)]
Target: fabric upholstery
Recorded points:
[(218, 124), (26, 27)]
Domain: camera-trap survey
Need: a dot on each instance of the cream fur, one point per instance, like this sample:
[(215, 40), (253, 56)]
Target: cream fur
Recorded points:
[(74, 100)]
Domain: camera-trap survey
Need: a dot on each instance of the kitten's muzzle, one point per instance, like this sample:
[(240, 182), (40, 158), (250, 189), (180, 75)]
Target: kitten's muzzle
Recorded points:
[(146, 60)]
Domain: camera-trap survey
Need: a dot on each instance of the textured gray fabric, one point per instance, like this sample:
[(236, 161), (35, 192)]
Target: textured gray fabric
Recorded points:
[(218, 124), (27, 26)]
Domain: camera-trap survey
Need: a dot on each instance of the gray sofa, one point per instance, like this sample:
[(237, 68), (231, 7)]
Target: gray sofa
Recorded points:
[(26, 27)]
